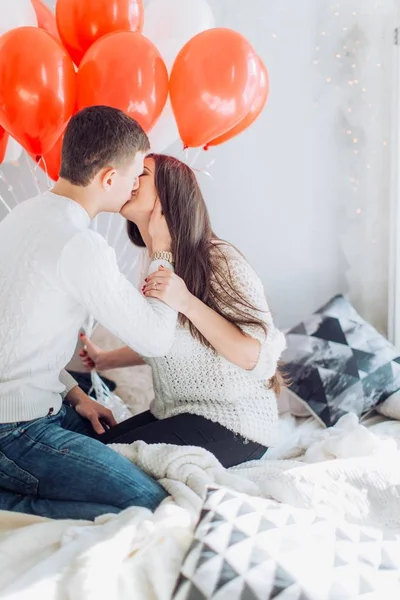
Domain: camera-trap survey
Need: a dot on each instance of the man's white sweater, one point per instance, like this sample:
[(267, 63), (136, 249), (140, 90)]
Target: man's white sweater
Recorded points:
[(54, 273)]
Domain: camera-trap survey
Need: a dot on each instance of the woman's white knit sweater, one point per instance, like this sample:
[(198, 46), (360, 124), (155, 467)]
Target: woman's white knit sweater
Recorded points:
[(192, 378)]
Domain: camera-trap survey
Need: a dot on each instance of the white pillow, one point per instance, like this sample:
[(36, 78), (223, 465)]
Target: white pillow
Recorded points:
[(289, 402), (390, 407)]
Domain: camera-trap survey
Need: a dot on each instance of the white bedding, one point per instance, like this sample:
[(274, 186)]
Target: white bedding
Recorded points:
[(347, 473)]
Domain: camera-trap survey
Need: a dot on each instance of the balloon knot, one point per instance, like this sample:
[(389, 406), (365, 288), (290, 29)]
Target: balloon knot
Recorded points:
[(38, 158), (185, 146), (206, 147)]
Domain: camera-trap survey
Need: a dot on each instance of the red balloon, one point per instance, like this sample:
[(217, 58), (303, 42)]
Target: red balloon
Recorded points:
[(46, 19), (50, 162), (126, 71), (213, 84), (37, 88), (3, 143), (255, 110), (82, 22)]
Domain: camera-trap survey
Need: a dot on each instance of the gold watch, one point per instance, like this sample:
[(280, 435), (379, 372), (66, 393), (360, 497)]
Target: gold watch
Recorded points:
[(163, 255)]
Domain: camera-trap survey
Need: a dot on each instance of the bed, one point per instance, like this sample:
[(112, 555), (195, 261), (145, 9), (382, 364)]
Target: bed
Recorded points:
[(318, 518), (326, 489)]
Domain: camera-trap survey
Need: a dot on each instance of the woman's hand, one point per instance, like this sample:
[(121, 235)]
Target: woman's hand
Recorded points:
[(158, 230), (92, 356), (168, 287)]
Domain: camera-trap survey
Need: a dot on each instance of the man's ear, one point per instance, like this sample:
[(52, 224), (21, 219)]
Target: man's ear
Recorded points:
[(107, 178)]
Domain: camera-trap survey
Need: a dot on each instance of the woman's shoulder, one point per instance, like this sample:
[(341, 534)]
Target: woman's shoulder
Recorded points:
[(233, 264), (230, 256), (226, 251)]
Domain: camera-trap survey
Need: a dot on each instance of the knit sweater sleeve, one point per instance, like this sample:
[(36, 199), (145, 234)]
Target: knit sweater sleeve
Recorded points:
[(250, 288), (89, 271), (69, 382)]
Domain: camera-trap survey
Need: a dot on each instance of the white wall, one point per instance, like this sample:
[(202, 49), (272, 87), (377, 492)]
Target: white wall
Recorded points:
[(269, 194), (277, 190)]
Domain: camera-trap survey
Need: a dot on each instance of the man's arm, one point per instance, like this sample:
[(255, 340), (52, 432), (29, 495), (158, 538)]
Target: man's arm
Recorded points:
[(89, 271), (69, 382)]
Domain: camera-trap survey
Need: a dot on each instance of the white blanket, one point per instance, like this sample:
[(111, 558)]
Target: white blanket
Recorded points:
[(346, 472)]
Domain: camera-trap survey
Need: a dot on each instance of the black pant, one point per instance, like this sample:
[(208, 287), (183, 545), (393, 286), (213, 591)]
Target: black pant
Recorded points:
[(186, 430)]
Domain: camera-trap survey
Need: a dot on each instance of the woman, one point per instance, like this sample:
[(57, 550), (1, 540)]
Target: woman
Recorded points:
[(216, 387)]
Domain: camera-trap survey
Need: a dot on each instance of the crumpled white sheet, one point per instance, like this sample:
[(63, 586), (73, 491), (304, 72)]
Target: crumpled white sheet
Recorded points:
[(137, 554)]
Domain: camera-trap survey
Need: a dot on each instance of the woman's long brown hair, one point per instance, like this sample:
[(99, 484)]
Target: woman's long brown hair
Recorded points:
[(198, 260)]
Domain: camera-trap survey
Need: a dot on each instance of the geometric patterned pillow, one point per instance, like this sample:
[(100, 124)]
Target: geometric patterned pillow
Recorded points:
[(249, 548), (337, 363)]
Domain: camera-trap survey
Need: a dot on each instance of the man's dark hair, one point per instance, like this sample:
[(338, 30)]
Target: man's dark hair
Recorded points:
[(99, 137)]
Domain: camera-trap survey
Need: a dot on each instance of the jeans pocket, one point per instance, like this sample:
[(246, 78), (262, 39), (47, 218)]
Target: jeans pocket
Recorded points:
[(6, 429), (15, 479)]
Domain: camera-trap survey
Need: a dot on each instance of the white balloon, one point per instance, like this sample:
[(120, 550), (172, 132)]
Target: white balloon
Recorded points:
[(170, 24), (169, 49), (19, 13), (177, 19), (165, 131), (13, 151)]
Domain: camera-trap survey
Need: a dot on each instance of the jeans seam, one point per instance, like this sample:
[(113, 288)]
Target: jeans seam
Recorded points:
[(87, 462), (33, 481), (47, 448)]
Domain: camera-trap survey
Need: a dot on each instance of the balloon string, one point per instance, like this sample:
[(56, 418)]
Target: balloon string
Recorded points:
[(24, 191), (109, 220), (127, 270), (99, 388), (48, 181), (125, 248), (9, 188), (5, 203), (118, 233), (195, 159), (35, 179)]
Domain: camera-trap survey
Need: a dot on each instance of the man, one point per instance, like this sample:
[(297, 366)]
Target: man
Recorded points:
[(54, 272)]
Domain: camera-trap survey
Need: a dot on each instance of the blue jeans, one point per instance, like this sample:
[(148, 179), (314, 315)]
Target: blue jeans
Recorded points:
[(50, 467)]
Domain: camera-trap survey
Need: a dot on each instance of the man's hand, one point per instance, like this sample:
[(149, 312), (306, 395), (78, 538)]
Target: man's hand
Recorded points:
[(100, 417)]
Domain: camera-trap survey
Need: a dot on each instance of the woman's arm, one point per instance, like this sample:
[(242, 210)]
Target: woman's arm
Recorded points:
[(247, 347), (94, 357), (225, 337)]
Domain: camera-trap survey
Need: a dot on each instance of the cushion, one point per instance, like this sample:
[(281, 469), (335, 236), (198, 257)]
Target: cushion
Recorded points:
[(289, 402), (391, 407), (337, 363), (250, 548)]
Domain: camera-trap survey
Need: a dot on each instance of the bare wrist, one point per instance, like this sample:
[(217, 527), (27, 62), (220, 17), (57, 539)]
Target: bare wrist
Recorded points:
[(75, 396), (104, 361), (190, 306), (160, 246)]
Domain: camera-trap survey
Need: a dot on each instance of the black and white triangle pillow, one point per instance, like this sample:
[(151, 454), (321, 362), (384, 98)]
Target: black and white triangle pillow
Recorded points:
[(337, 363), (249, 548)]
